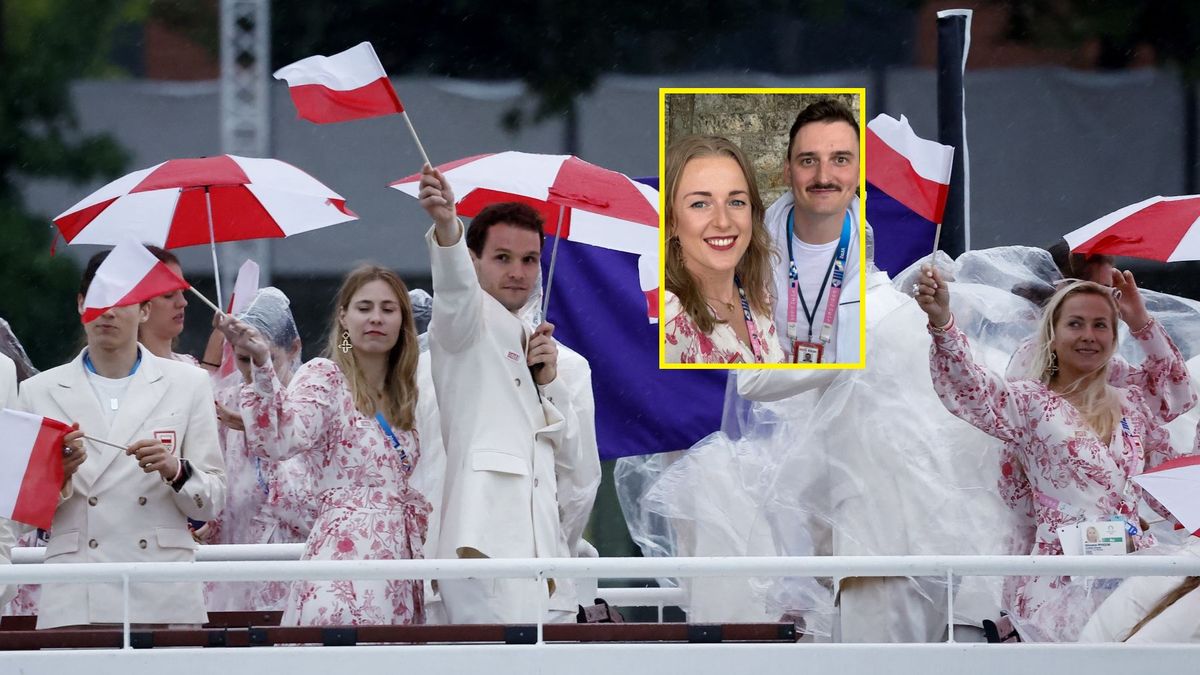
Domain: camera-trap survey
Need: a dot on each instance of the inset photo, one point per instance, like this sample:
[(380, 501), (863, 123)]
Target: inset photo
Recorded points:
[(763, 228)]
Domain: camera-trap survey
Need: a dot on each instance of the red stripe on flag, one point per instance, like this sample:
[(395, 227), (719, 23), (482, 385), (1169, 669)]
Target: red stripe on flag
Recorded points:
[(159, 281), (323, 105), (892, 173), (38, 498), (441, 167), (1152, 233), (73, 223), (651, 303)]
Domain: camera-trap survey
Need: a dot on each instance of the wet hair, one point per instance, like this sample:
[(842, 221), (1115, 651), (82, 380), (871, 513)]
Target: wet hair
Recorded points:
[(1076, 265), (825, 110), (400, 382), (163, 255), (516, 214), (754, 269), (1099, 405), (89, 271)]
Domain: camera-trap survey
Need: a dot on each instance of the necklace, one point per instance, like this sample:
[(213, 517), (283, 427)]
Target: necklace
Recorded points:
[(727, 305)]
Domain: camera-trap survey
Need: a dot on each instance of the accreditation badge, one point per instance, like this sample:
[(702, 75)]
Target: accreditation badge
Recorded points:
[(807, 352), (1104, 537)]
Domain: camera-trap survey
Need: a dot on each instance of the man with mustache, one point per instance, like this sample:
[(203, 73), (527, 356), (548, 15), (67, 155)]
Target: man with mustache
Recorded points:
[(815, 229)]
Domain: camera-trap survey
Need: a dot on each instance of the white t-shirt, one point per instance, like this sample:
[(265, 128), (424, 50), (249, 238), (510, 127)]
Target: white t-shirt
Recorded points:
[(812, 261), (109, 393)]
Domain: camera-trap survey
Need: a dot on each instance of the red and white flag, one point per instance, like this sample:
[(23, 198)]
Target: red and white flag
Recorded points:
[(351, 85), (33, 467), (128, 276)]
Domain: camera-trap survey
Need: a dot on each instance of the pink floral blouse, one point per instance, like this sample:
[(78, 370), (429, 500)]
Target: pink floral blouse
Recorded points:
[(366, 508), (686, 344), (1054, 468)]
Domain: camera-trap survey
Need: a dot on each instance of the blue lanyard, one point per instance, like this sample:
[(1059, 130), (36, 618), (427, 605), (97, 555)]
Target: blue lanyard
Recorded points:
[(837, 267), (387, 431), (87, 363)]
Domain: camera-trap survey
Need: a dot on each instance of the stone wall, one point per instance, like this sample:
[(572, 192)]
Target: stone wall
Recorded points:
[(758, 123)]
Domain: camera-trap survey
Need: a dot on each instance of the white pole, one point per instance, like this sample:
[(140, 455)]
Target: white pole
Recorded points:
[(212, 242), (562, 210), (413, 131)]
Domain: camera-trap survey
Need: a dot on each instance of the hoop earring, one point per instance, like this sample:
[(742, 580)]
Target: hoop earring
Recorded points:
[(345, 345)]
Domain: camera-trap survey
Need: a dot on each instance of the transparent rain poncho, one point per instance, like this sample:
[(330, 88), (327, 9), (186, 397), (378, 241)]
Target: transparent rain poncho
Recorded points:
[(11, 347), (862, 462)]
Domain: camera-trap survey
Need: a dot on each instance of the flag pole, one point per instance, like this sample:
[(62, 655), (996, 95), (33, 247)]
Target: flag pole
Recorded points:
[(562, 210), (205, 300), (937, 235), (104, 442), (416, 139)]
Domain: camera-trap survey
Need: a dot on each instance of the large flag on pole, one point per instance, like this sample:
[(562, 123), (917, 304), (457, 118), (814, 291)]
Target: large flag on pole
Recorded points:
[(908, 180), (128, 276), (33, 470), (350, 85)]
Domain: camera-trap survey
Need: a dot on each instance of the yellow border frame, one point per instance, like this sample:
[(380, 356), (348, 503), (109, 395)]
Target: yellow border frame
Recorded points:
[(861, 92)]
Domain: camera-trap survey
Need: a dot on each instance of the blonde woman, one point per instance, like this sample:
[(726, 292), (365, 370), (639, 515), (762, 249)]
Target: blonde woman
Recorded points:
[(719, 261), (1072, 440), (353, 413)]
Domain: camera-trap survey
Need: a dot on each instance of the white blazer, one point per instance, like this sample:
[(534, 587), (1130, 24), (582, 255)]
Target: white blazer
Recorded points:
[(114, 512), (504, 436)]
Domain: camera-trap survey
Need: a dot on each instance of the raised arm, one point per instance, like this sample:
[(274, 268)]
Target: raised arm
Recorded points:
[(969, 391), (457, 320)]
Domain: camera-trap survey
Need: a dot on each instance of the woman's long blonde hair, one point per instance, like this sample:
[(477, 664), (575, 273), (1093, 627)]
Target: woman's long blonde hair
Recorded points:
[(754, 269), (400, 384), (1175, 595), (1099, 405)]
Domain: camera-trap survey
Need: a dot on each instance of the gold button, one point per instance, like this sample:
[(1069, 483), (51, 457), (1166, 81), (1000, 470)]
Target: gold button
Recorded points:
[(91, 501), (141, 543), (93, 543), (141, 501)]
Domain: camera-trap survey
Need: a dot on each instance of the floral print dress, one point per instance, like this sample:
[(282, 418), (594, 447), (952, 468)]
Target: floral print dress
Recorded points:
[(268, 502), (685, 343), (366, 509), (1054, 468)]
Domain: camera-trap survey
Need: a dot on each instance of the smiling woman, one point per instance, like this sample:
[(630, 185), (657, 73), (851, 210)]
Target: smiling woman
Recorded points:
[(718, 258)]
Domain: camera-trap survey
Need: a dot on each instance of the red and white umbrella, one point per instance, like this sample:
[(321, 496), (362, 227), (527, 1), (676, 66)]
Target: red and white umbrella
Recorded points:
[(1159, 228), (1176, 485), (187, 202), (580, 202)]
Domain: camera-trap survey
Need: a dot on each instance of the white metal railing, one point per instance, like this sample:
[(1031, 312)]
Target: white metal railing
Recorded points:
[(274, 562)]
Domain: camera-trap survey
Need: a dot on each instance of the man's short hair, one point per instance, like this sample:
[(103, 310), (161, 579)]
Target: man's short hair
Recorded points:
[(824, 110), (521, 216)]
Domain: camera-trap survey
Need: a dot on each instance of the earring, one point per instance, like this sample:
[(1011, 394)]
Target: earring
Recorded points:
[(345, 345), (1053, 363)]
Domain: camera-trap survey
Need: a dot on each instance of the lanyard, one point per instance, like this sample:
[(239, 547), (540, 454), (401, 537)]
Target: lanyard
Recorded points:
[(751, 329), (87, 363), (837, 267), (387, 431)]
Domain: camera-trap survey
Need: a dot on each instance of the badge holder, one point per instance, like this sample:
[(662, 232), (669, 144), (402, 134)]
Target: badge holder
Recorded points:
[(807, 352)]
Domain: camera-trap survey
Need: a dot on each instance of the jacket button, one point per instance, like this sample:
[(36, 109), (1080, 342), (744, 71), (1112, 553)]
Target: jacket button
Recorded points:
[(91, 501), (141, 501), (535, 482), (93, 543), (517, 380), (141, 543)]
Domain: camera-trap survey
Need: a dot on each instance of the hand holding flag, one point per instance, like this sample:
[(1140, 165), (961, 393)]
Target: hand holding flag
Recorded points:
[(42, 454)]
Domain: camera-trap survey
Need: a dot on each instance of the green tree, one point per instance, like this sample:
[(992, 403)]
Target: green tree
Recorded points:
[(45, 44)]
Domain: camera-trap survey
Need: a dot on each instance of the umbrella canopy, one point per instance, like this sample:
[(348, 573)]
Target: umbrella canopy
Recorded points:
[(169, 204), (581, 202), (1159, 228), (1176, 485), (597, 206)]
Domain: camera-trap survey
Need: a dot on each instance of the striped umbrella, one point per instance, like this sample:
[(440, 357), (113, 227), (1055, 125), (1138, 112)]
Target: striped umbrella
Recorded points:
[(1159, 228)]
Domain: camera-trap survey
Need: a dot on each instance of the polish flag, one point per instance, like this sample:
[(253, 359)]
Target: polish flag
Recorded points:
[(908, 181), (128, 276), (351, 85), (33, 475)]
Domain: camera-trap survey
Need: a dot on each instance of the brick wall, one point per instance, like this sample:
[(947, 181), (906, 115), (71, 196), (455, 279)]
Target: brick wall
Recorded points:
[(758, 123)]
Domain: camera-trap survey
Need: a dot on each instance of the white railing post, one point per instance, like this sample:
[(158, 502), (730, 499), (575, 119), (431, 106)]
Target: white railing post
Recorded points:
[(125, 618), (949, 605), (543, 601)]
